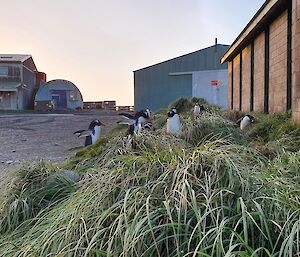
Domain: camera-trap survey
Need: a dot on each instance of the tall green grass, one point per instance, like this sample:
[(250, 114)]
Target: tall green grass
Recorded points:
[(208, 192), (33, 189), (210, 125)]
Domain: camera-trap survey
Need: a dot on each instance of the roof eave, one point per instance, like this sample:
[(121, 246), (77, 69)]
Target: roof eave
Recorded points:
[(256, 24), (172, 59), (26, 58), (15, 58)]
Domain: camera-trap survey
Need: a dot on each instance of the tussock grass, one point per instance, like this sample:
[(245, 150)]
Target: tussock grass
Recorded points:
[(185, 105), (271, 127), (159, 118), (35, 188), (211, 125), (208, 192)]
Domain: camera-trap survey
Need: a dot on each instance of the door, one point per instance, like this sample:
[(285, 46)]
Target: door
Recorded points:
[(6, 100), (60, 98)]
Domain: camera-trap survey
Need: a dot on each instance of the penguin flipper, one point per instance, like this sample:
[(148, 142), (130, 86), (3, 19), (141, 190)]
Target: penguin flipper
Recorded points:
[(127, 122), (127, 115), (84, 133), (239, 121), (78, 132)]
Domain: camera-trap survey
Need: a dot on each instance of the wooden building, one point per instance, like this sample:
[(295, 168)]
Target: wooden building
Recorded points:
[(19, 81)]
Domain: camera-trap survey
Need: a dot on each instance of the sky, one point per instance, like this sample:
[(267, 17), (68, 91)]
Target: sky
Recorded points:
[(97, 44)]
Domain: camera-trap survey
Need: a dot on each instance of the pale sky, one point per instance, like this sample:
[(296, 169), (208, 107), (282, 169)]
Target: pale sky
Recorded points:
[(97, 44)]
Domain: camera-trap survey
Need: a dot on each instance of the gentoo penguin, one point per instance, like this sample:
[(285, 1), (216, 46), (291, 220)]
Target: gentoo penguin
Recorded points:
[(173, 122), (198, 110), (92, 134), (245, 121), (135, 123)]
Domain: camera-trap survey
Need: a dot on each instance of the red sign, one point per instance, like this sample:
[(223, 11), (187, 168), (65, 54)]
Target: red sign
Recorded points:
[(215, 83)]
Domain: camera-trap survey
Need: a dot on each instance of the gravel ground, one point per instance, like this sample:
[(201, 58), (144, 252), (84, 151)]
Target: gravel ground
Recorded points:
[(30, 137)]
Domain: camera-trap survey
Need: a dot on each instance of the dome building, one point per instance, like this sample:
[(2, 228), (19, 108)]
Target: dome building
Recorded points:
[(58, 94)]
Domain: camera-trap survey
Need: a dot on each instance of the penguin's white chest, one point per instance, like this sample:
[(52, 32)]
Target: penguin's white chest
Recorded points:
[(138, 125), (137, 128), (173, 124), (245, 122), (141, 120), (96, 135), (196, 110)]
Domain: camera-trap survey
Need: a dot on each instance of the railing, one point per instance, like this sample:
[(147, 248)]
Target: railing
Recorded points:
[(10, 79), (128, 108), (107, 105)]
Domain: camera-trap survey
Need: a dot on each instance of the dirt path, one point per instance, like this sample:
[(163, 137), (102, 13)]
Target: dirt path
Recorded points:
[(29, 137)]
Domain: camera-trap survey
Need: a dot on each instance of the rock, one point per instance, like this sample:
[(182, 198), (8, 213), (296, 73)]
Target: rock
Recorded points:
[(70, 175), (9, 162), (59, 178), (13, 151)]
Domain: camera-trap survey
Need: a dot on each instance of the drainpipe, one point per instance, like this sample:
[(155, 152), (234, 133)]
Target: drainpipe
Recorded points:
[(295, 60)]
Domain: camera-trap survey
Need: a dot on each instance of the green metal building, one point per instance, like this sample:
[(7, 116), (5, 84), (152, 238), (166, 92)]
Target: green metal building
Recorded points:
[(197, 74)]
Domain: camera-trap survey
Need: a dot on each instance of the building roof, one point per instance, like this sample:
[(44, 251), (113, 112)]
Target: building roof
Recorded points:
[(44, 92), (9, 86), (14, 57), (264, 16), (180, 56)]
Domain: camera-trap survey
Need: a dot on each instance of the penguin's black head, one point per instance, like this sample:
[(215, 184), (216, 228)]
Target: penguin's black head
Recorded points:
[(95, 123), (252, 119), (143, 113), (172, 113), (147, 113)]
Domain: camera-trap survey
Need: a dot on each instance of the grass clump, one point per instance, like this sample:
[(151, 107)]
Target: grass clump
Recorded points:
[(159, 118), (209, 126), (185, 104), (35, 188), (208, 192), (271, 127), (274, 133)]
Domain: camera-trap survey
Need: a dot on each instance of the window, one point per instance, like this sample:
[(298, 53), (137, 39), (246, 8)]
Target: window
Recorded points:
[(73, 96), (3, 71), (10, 74)]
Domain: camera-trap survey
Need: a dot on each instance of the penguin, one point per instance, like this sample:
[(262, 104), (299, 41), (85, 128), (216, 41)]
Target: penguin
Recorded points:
[(198, 110), (92, 134), (245, 121), (135, 123), (173, 122)]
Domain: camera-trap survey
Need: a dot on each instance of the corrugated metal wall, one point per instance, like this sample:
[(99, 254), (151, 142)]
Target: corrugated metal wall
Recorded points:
[(66, 94), (29, 79), (155, 87)]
